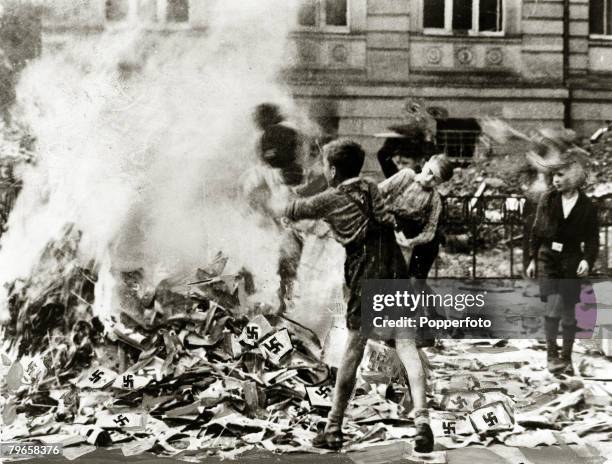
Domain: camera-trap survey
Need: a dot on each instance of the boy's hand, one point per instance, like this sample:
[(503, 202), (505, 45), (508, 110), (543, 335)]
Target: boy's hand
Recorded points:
[(402, 241), (531, 269), (583, 268), (277, 205)]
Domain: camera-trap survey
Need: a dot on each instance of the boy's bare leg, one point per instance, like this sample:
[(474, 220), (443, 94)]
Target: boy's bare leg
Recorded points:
[(409, 356), (408, 353), (345, 381)]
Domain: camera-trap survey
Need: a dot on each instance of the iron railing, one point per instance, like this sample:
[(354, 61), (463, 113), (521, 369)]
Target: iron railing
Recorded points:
[(486, 222), (501, 218)]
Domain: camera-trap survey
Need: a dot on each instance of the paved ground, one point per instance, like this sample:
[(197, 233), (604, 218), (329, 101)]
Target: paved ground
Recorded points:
[(496, 454)]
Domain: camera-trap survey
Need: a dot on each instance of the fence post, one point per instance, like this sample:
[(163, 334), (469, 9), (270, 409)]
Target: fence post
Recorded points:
[(474, 227)]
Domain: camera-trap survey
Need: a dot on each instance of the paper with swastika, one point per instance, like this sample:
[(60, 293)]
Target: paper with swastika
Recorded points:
[(130, 381), (450, 424), (96, 377), (492, 417), (122, 420), (255, 330), (276, 346), (320, 395), (463, 400)]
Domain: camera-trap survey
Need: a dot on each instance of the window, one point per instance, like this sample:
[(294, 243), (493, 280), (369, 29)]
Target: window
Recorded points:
[(177, 11), (307, 13), (323, 14), (600, 17), (117, 10), (335, 13), (147, 11), (463, 16), (457, 137)]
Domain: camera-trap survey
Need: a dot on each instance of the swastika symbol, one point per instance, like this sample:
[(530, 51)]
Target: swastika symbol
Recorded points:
[(96, 376), (323, 391), (273, 345), (121, 420), (128, 381), (460, 402), (252, 332), (490, 419), (449, 428)]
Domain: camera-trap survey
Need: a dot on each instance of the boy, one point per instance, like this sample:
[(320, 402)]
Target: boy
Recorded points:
[(354, 210), (565, 219), (416, 205)]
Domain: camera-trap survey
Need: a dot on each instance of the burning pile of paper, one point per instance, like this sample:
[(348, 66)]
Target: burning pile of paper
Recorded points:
[(191, 368)]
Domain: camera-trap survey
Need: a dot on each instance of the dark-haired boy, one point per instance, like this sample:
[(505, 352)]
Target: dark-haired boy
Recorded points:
[(353, 208)]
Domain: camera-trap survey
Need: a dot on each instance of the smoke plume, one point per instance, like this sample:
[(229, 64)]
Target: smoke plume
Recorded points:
[(141, 138)]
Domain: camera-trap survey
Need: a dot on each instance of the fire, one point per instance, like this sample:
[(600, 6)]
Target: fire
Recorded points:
[(140, 141)]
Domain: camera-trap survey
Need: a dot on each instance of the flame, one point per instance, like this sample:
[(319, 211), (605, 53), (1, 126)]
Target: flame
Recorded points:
[(140, 141)]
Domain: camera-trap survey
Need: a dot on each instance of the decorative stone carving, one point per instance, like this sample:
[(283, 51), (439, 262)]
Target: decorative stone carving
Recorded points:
[(307, 51), (465, 56), (494, 56), (339, 54), (433, 55)]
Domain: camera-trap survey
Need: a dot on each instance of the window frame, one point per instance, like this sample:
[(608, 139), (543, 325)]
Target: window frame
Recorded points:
[(320, 20), (162, 22), (604, 36), (474, 31)]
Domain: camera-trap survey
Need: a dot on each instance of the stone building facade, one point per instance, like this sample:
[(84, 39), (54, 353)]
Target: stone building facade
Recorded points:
[(530, 62)]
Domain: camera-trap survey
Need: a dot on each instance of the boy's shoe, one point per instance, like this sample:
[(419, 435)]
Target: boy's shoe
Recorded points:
[(329, 440), (553, 363), (424, 439), (568, 368)]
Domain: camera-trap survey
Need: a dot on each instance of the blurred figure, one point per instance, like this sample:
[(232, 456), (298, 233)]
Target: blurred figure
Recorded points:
[(279, 148), (279, 144)]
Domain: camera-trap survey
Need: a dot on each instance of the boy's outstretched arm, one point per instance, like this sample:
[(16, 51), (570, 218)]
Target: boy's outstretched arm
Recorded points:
[(315, 207)]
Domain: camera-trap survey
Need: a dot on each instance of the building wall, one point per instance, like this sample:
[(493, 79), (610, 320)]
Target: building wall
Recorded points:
[(363, 73), (518, 76)]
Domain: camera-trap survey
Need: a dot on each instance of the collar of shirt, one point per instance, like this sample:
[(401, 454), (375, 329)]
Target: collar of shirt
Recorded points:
[(568, 204)]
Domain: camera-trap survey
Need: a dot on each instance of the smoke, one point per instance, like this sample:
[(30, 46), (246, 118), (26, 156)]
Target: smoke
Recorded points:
[(141, 138)]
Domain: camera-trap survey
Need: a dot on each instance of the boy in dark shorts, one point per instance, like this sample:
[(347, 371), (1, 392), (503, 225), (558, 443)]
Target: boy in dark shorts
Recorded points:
[(565, 219), (354, 210)]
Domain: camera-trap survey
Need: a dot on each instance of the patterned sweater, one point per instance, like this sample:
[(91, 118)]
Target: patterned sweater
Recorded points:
[(409, 202), (342, 207)]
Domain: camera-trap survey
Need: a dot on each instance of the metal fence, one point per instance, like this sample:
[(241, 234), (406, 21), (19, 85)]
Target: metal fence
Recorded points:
[(498, 221), (490, 221)]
